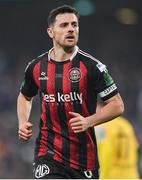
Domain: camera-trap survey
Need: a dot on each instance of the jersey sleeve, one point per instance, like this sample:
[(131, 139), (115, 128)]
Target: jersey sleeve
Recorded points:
[(103, 82), (28, 86)]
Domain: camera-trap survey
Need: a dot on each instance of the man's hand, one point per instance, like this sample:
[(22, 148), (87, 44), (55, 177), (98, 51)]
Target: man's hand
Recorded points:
[(78, 122), (25, 131)]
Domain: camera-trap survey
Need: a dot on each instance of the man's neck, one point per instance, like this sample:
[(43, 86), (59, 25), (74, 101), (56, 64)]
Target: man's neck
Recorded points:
[(60, 54)]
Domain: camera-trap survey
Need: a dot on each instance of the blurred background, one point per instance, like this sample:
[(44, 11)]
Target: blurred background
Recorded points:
[(110, 30)]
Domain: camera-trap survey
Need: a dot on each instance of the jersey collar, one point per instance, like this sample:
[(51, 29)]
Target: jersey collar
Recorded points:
[(72, 56)]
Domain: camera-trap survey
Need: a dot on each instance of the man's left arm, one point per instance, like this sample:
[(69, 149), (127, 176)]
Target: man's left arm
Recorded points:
[(113, 108)]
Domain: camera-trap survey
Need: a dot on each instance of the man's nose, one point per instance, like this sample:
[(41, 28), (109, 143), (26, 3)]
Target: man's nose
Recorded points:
[(70, 28)]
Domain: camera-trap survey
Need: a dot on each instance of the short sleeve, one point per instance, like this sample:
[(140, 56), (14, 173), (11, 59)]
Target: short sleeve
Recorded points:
[(103, 82), (28, 86)]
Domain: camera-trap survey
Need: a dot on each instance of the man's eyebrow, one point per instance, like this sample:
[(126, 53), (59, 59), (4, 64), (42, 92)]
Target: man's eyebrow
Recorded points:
[(74, 22), (66, 22)]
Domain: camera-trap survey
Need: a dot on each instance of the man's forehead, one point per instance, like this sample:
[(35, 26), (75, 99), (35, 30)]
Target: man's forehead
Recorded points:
[(66, 17)]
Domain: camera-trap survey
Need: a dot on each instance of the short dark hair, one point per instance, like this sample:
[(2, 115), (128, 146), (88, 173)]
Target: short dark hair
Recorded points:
[(61, 10)]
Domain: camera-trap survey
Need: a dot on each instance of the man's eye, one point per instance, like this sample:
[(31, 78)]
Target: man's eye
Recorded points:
[(74, 25), (64, 25)]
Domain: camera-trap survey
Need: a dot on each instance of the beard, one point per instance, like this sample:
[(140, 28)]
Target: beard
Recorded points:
[(66, 43), (69, 43)]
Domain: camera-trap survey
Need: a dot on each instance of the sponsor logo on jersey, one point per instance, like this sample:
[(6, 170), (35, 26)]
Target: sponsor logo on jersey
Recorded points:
[(74, 75), (41, 171), (71, 97)]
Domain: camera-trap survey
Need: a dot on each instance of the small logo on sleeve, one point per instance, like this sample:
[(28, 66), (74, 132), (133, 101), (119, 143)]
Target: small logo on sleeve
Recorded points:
[(101, 67)]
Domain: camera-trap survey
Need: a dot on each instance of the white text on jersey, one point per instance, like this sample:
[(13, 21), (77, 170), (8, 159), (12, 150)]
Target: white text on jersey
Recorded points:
[(71, 97)]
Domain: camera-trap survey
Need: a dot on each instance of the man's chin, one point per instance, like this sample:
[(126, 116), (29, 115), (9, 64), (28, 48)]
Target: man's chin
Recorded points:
[(70, 45), (69, 48)]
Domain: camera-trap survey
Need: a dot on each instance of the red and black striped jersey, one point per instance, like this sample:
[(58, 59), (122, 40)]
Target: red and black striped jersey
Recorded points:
[(71, 85)]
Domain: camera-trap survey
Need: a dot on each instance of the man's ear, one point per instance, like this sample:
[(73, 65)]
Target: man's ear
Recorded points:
[(50, 32)]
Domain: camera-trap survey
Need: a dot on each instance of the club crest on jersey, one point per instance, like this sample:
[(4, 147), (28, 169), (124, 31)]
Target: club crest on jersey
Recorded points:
[(74, 74)]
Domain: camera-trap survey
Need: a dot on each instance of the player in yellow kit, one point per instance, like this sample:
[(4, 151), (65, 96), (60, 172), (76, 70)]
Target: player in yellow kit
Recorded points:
[(117, 149)]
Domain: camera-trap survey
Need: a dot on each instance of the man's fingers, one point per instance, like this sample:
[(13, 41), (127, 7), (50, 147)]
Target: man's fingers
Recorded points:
[(29, 125), (77, 123), (74, 120), (21, 133), (25, 131), (77, 128), (26, 128), (77, 131), (23, 138), (73, 114)]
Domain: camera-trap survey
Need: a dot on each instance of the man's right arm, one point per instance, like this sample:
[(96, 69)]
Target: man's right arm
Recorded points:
[(24, 105)]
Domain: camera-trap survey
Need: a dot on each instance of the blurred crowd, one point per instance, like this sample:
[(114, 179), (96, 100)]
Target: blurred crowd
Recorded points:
[(23, 37)]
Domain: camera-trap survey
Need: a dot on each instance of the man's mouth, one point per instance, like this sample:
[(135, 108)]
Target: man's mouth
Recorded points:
[(70, 37)]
